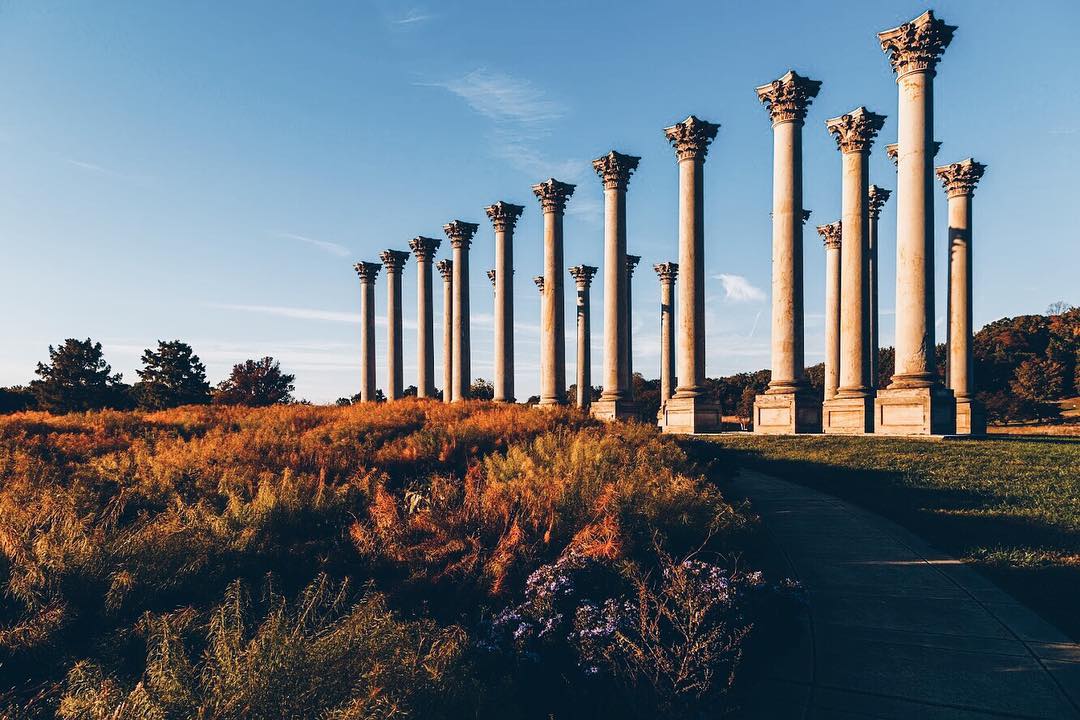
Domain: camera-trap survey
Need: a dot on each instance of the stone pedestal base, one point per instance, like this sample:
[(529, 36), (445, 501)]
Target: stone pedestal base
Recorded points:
[(848, 416), (614, 410), (787, 414), (970, 417), (690, 416), (915, 411)]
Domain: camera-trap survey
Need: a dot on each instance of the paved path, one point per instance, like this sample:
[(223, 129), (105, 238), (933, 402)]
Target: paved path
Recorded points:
[(898, 630)]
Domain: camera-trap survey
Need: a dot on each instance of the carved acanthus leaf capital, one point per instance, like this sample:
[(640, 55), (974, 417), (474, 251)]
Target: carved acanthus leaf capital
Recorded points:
[(503, 215), (788, 97), (367, 271), (553, 195), (393, 260), (667, 272), (830, 234), (691, 138), (583, 274), (615, 169), (539, 280), (917, 46), (446, 269), (856, 130), (460, 233), (424, 247), (876, 198), (491, 277), (631, 264), (960, 178)]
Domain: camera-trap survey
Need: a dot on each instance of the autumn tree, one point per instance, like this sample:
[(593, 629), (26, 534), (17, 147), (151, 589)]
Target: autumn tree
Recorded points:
[(256, 383), (171, 376)]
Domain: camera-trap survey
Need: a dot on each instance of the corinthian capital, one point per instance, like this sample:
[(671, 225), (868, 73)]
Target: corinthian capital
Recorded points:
[(960, 178), (917, 46), (830, 234), (667, 272), (503, 215), (615, 169), (691, 138), (876, 198), (583, 275), (631, 264), (460, 233), (539, 280), (446, 269), (367, 271), (788, 97), (855, 131), (393, 260), (553, 195), (491, 277), (424, 247)]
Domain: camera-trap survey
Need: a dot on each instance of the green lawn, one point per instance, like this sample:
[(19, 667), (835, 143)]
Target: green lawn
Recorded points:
[(1011, 507)]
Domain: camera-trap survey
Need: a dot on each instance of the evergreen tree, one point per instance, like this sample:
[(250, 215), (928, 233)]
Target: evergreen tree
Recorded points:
[(171, 376), (77, 379), (257, 383)]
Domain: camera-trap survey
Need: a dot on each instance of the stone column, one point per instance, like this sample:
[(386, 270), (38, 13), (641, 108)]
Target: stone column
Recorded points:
[(446, 269), (616, 401), (583, 275), (876, 199), (667, 272), (461, 235), (691, 409), (915, 403), (830, 234), (553, 196), (367, 271), (787, 406), (851, 411), (393, 261), (424, 249), (631, 264), (959, 180)]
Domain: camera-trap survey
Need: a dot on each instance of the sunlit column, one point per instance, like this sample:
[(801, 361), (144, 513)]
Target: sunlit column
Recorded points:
[(367, 272), (461, 234), (553, 196), (504, 217), (877, 198), (583, 275), (446, 269), (830, 235), (424, 249), (631, 264), (393, 261), (668, 273)]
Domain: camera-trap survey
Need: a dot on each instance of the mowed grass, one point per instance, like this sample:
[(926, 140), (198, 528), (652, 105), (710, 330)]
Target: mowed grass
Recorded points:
[(1010, 507)]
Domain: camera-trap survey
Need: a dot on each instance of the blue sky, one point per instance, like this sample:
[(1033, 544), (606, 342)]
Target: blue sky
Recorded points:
[(210, 171)]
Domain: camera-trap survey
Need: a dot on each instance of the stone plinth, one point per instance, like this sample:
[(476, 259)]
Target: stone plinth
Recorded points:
[(915, 411), (787, 413), (690, 415), (848, 415), (970, 417)]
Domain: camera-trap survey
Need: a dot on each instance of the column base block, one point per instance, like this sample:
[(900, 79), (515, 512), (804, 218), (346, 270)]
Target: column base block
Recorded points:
[(970, 417), (915, 411), (609, 410), (848, 416), (690, 416), (787, 414)]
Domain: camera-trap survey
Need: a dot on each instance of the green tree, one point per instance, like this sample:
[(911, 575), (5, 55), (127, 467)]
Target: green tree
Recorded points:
[(77, 379), (16, 399), (171, 376), (256, 383), (481, 389)]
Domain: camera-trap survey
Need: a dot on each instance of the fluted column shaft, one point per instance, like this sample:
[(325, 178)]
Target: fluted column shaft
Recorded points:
[(424, 250), (667, 272), (394, 261), (832, 319), (877, 198), (460, 235), (553, 348), (446, 269), (583, 275), (367, 272), (691, 291), (960, 342), (788, 365), (503, 217), (854, 279), (615, 385)]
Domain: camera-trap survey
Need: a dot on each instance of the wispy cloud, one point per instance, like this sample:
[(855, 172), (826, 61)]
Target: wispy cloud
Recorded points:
[(521, 114), (412, 16), (293, 312), (753, 328), (738, 289), (105, 171), (332, 248)]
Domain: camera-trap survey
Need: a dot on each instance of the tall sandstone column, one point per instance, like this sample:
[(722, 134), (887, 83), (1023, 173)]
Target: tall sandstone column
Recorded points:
[(830, 235), (851, 411), (915, 403), (877, 198), (461, 234), (787, 406), (553, 196), (504, 217), (959, 180), (367, 272), (583, 275), (616, 402), (667, 272), (632, 262), (424, 249), (393, 261), (691, 409), (446, 269)]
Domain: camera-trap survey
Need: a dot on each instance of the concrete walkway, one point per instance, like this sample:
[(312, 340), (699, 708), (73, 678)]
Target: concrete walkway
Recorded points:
[(897, 629)]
